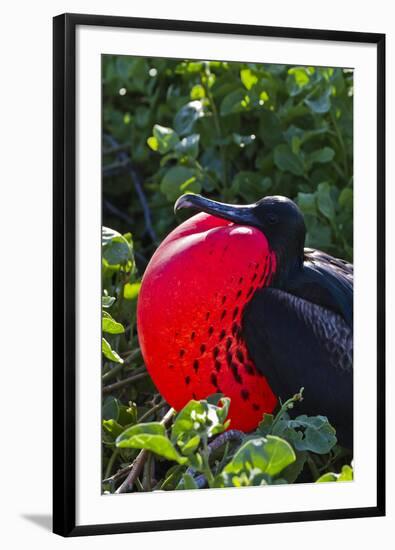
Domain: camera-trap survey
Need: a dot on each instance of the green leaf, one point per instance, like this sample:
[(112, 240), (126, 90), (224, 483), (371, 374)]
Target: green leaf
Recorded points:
[(291, 473), (112, 427), (131, 291), (326, 154), (254, 478), (269, 455), (307, 203), (345, 475), (346, 199), (109, 353), (248, 78), (163, 140), (188, 146), (194, 66), (265, 425), (250, 185), (311, 434), (326, 205), (117, 251), (107, 301), (327, 477), (152, 437), (115, 248), (186, 117), (318, 234), (152, 428), (320, 104), (190, 446), (153, 143), (127, 414), (234, 102), (110, 325), (172, 478), (280, 455), (298, 79), (270, 128), (110, 408), (188, 482), (198, 92), (178, 180), (200, 418), (107, 234), (287, 161)]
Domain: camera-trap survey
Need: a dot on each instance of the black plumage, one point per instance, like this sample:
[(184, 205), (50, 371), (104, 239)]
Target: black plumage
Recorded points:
[(299, 329), (296, 343)]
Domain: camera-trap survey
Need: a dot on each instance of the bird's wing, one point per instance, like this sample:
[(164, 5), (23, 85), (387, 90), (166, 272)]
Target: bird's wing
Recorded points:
[(326, 281), (295, 343)]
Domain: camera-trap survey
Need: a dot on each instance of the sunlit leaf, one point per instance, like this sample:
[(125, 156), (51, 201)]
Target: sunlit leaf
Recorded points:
[(152, 437), (131, 291), (346, 474), (163, 140), (270, 455), (109, 353), (186, 117), (248, 78), (111, 326)]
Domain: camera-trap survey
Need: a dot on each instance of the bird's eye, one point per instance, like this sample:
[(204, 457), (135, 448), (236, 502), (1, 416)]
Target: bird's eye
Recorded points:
[(272, 218)]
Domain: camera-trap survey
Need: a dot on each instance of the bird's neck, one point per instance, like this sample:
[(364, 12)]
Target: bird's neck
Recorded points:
[(287, 268)]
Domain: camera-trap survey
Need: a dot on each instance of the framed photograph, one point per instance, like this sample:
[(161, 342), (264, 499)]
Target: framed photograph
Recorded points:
[(214, 187)]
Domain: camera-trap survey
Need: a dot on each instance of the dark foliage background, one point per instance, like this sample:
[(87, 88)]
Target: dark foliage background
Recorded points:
[(235, 131), (232, 131)]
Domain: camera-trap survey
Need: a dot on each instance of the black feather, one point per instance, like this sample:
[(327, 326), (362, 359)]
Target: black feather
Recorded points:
[(296, 343), (325, 281)]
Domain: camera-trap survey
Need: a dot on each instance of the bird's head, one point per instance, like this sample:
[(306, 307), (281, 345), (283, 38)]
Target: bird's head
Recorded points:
[(279, 219)]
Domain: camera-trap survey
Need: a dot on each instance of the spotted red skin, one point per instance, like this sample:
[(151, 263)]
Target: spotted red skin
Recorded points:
[(189, 316)]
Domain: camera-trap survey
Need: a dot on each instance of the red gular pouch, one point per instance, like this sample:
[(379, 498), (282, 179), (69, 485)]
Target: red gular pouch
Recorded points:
[(189, 316)]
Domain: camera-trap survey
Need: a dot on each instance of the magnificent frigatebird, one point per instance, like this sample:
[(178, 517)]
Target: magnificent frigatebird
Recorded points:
[(232, 302)]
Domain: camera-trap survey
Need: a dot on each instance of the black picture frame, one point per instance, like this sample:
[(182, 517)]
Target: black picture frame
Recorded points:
[(64, 272)]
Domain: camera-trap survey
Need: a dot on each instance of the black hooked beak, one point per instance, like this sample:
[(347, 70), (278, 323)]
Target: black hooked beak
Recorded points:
[(242, 215)]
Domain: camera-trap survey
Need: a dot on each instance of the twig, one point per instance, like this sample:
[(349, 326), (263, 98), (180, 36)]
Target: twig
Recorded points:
[(134, 472), (154, 409), (124, 382), (144, 204), (117, 149), (130, 354), (225, 437), (119, 474), (289, 404), (117, 212), (140, 460), (120, 366), (112, 372), (147, 478), (111, 462)]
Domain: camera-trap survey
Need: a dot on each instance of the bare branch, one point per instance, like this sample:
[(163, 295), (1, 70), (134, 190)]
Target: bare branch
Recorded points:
[(139, 462)]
